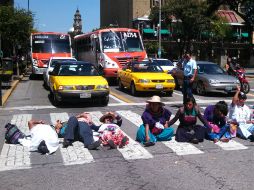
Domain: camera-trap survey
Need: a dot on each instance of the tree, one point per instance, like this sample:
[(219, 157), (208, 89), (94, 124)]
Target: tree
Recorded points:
[(16, 26)]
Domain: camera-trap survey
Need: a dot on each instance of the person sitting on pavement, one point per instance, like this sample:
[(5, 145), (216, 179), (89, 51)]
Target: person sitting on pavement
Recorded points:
[(44, 138), (110, 132), (80, 128), (240, 114), (216, 116), (155, 123), (188, 130)]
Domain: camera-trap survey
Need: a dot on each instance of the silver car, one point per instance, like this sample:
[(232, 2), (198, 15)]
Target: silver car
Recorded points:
[(211, 78)]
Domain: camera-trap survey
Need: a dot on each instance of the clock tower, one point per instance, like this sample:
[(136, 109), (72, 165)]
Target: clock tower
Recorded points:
[(77, 25)]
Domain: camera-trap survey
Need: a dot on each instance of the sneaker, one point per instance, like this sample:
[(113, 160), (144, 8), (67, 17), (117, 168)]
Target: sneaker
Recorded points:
[(94, 145), (224, 140), (123, 142), (67, 143), (111, 144), (194, 141), (149, 144)]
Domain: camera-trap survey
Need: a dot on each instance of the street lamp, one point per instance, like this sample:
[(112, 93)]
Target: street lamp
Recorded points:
[(159, 30), (28, 5)]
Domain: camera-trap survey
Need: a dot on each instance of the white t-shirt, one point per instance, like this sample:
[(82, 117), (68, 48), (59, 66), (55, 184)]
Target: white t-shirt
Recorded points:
[(189, 67), (240, 113), (44, 132)]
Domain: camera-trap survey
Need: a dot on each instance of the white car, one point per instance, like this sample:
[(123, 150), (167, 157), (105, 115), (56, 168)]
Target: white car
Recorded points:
[(51, 65), (165, 64)]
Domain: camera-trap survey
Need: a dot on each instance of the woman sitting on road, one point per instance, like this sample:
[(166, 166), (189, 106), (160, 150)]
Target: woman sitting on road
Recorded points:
[(155, 123), (216, 116), (188, 130)]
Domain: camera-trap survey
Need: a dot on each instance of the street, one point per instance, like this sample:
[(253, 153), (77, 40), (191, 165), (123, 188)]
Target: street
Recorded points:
[(167, 165)]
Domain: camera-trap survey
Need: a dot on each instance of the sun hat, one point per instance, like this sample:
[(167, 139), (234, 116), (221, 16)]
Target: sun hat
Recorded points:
[(155, 99), (107, 115)]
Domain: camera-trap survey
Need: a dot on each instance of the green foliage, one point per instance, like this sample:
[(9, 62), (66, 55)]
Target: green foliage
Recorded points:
[(15, 27)]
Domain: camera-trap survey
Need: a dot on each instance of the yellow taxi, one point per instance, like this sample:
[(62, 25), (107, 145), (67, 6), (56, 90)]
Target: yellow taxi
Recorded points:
[(77, 80), (145, 76)]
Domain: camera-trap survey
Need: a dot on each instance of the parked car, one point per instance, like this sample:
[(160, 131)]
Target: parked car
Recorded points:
[(165, 64), (51, 64), (210, 78), (77, 80), (145, 76)]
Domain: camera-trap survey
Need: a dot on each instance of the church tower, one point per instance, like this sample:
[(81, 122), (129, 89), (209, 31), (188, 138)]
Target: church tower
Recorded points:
[(77, 25)]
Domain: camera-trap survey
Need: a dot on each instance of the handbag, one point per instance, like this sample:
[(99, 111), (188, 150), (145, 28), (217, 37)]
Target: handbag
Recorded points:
[(13, 134)]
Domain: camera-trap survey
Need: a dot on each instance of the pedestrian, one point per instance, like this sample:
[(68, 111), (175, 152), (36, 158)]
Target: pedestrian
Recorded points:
[(44, 138), (110, 132), (190, 73), (240, 114), (216, 115), (188, 130), (155, 123), (79, 128)]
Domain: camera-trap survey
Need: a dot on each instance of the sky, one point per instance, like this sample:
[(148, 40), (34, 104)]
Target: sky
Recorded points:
[(58, 15)]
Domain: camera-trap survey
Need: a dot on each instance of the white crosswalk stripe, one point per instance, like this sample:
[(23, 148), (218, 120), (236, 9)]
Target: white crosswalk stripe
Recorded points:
[(75, 154), (16, 156)]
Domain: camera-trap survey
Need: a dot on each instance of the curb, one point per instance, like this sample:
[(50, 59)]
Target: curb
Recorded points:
[(9, 91)]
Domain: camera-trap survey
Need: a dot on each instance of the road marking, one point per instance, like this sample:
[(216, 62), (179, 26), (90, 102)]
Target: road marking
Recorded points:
[(133, 150), (231, 145), (178, 148), (120, 98), (75, 154), (13, 156), (182, 148)]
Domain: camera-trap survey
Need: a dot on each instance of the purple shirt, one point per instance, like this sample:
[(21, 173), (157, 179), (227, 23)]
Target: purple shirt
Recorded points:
[(210, 117), (151, 119)]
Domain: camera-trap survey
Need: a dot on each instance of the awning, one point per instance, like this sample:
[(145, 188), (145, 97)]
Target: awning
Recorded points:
[(245, 34), (148, 30), (231, 17), (164, 31)]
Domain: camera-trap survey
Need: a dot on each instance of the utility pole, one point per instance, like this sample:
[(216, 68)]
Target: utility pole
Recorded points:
[(159, 30), (27, 5)]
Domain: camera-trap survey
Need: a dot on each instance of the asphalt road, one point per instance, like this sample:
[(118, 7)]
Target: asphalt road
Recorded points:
[(168, 165)]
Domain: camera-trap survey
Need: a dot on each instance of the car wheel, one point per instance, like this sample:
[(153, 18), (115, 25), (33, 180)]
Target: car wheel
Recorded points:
[(105, 100), (170, 93), (200, 88), (133, 89), (55, 100), (120, 85)]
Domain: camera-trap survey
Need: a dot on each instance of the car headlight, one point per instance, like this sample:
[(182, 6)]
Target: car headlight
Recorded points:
[(212, 81), (65, 87), (170, 81), (102, 87), (143, 81)]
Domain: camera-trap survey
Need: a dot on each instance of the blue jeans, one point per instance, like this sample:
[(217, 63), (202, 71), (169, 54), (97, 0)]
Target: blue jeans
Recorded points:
[(224, 131), (77, 130), (165, 135), (187, 88)]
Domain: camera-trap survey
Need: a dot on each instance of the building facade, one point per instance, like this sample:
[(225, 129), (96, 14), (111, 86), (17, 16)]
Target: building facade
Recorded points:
[(121, 13)]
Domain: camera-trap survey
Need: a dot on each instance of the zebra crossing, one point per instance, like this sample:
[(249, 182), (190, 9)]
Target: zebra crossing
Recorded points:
[(18, 157)]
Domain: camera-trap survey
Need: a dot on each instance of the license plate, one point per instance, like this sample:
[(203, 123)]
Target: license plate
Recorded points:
[(159, 86), (85, 95), (228, 88)]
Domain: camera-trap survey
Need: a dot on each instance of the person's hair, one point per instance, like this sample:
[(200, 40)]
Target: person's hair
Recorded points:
[(190, 99), (242, 96), (222, 106)]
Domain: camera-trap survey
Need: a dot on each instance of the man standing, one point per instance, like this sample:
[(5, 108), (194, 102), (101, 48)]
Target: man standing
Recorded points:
[(190, 72)]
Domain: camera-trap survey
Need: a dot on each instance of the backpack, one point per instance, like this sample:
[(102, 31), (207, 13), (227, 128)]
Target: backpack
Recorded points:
[(13, 134)]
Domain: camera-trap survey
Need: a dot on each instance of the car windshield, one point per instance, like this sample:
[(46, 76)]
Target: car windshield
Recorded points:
[(78, 70), (147, 68), (58, 60), (211, 69), (163, 62)]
